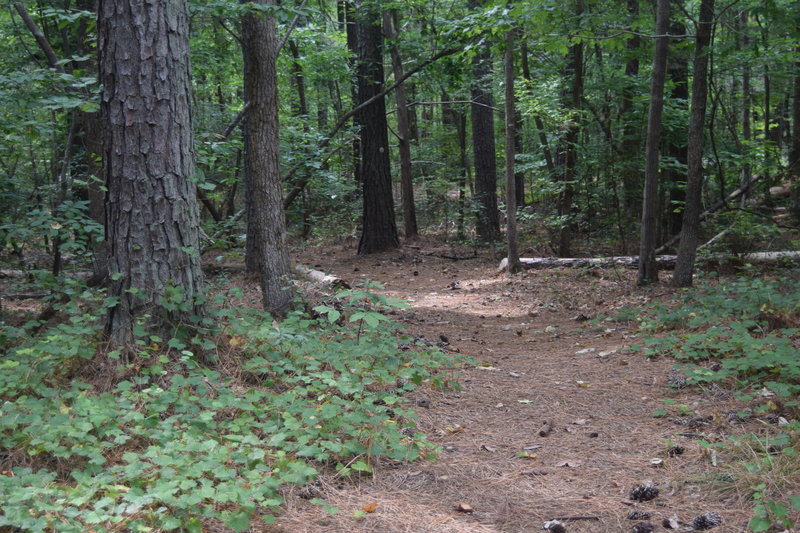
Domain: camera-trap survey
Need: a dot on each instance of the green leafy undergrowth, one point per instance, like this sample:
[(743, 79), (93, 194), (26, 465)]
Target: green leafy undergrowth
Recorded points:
[(175, 444), (765, 467), (743, 332), (747, 326)]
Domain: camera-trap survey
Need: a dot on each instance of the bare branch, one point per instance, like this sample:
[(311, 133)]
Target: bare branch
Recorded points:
[(289, 29)]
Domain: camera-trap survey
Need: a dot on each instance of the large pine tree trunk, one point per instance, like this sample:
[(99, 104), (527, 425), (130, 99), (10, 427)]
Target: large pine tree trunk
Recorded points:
[(483, 145), (266, 223), (148, 159), (379, 231), (648, 268), (684, 266)]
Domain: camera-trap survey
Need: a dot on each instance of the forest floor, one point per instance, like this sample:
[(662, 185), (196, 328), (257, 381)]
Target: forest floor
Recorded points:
[(544, 352), (545, 348)]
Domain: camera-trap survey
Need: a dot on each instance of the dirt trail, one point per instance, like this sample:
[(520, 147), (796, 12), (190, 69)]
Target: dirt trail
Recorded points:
[(541, 358)]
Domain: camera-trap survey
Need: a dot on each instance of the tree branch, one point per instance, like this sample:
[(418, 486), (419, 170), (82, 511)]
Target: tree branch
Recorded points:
[(44, 45), (289, 29)]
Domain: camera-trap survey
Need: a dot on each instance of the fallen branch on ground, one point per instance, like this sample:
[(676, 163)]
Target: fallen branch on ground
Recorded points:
[(632, 261)]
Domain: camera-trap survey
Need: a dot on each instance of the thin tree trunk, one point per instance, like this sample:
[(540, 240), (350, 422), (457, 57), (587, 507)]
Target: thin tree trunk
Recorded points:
[(457, 119), (266, 222), (648, 268), (152, 214), (351, 33), (391, 23), (684, 267), (510, 130), (747, 135)]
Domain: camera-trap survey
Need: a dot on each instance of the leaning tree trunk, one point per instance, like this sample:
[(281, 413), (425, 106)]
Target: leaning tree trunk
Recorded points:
[(379, 230), (684, 267), (152, 217), (266, 223), (648, 268)]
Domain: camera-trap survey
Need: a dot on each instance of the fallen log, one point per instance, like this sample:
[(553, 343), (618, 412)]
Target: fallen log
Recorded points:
[(321, 277), (664, 261)]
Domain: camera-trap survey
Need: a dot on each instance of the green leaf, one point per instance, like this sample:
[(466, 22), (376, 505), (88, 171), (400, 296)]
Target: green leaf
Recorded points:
[(361, 466), (760, 524), (238, 521), (795, 499)]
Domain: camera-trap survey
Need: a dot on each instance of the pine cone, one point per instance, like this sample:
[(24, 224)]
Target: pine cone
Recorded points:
[(311, 490), (638, 515), (676, 451), (644, 527), (706, 521), (694, 422), (644, 493), (408, 432), (677, 380)]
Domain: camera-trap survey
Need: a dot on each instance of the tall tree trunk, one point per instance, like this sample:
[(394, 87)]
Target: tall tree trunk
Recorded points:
[(457, 119), (648, 269), (266, 221), (673, 178), (391, 23), (747, 173), (794, 154), (631, 144), (684, 265), (299, 106), (379, 230), (514, 265), (348, 15), (483, 145), (151, 207), (300, 112), (572, 100)]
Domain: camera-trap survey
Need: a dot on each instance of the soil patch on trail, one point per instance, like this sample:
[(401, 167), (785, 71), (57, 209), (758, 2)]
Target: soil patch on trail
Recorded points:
[(545, 353)]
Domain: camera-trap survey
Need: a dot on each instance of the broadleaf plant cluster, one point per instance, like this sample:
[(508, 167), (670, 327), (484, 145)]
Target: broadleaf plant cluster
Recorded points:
[(174, 444)]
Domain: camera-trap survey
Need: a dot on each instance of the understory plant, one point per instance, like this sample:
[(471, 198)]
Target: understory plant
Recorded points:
[(155, 440), (743, 333), (747, 327)]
